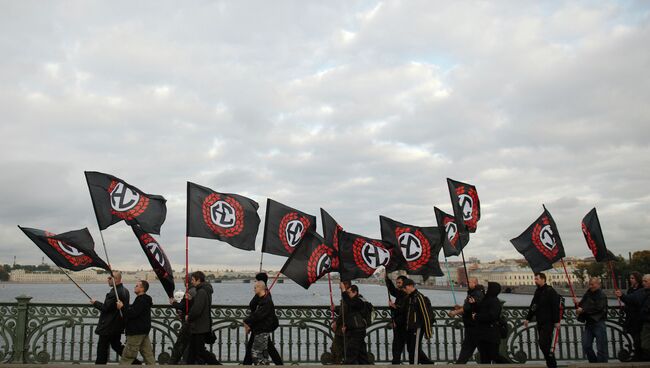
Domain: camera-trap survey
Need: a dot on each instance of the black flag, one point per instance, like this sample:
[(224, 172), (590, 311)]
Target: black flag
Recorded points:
[(360, 257), (540, 243), (594, 237), (223, 216), (419, 246), (453, 240), (74, 250), (310, 260), (115, 200), (284, 227), (331, 232), (157, 259), (466, 205)]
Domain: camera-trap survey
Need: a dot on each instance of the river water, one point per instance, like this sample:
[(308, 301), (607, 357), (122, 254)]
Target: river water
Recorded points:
[(233, 293)]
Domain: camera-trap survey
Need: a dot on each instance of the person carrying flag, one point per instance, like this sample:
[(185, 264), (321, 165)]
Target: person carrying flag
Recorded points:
[(398, 312), (592, 310), (138, 325), (252, 305), (338, 343), (111, 323), (487, 320), (633, 319), (545, 309), (419, 322), (475, 294), (354, 327)]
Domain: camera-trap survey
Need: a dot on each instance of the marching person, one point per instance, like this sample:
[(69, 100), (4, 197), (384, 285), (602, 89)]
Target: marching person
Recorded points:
[(633, 320), (419, 323), (111, 323), (592, 310), (338, 343), (640, 302), (200, 321), (475, 294), (138, 325), (398, 313), (261, 323), (545, 309), (179, 302), (252, 305), (354, 326), (487, 324)]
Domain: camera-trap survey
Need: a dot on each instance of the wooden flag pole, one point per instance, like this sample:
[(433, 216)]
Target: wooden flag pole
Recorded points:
[(74, 282), (573, 293), (611, 269), (451, 283)]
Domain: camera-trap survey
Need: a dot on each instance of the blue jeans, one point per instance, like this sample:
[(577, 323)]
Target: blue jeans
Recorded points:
[(595, 330)]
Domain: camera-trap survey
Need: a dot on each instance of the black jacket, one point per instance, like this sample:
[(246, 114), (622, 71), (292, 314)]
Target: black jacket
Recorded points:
[(488, 314), (199, 315), (399, 313), (545, 306), (478, 293), (418, 315), (138, 316), (353, 309), (594, 306), (110, 320), (633, 321), (262, 317), (645, 306)]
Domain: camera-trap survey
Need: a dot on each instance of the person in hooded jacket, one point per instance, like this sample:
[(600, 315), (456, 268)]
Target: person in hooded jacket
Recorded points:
[(398, 315), (252, 305), (487, 324), (261, 323), (200, 321), (138, 325), (592, 309), (111, 322)]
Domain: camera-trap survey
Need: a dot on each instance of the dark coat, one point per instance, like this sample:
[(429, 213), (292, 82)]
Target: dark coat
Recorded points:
[(633, 321), (262, 317), (353, 309), (594, 306), (199, 315), (545, 306), (478, 293), (488, 314), (418, 315), (635, 302), (399, 313), (138, 316), (110, 320)]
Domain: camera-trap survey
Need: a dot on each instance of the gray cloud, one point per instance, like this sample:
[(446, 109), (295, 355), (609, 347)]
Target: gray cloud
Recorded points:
[(363, 109)]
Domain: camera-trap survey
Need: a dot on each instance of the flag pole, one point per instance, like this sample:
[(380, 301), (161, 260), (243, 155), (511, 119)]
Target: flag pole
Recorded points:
[(465, 267), (74, 282), (261, 259), (611, 269), (573, 293), (329, 280), (557, 330), (453, 292), (101, 234), (274, 280), (187, 273)]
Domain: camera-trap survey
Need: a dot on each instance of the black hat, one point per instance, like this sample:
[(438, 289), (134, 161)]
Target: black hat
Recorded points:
[(408, 282)]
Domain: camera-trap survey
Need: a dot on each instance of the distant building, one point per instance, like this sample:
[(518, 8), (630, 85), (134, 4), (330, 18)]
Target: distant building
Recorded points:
[(516, 275)]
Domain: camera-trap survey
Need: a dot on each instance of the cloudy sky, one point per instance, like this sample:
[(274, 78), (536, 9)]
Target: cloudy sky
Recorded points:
[(363, 108)]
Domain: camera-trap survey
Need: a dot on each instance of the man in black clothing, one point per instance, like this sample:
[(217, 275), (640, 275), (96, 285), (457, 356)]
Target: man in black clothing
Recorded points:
[(487, 324), (338, 343), (639, 301), (261, 323), (398, 314), (475, 294), (354, 327), (545, 309), (138, 325), (111, 323), (633, 322), (419, 323), (592, 310), (200, 321), (272, 351)]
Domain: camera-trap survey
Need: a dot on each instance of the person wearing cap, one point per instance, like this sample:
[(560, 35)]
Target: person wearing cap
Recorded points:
[(253, 305), (138, 325), (398, 314), (419, 323)]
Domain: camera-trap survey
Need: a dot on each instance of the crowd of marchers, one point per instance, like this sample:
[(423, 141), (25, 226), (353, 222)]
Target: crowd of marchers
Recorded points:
[(412, 321)]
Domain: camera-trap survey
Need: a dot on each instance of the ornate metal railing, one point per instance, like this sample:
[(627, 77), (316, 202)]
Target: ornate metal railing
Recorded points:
[(42, 333)]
